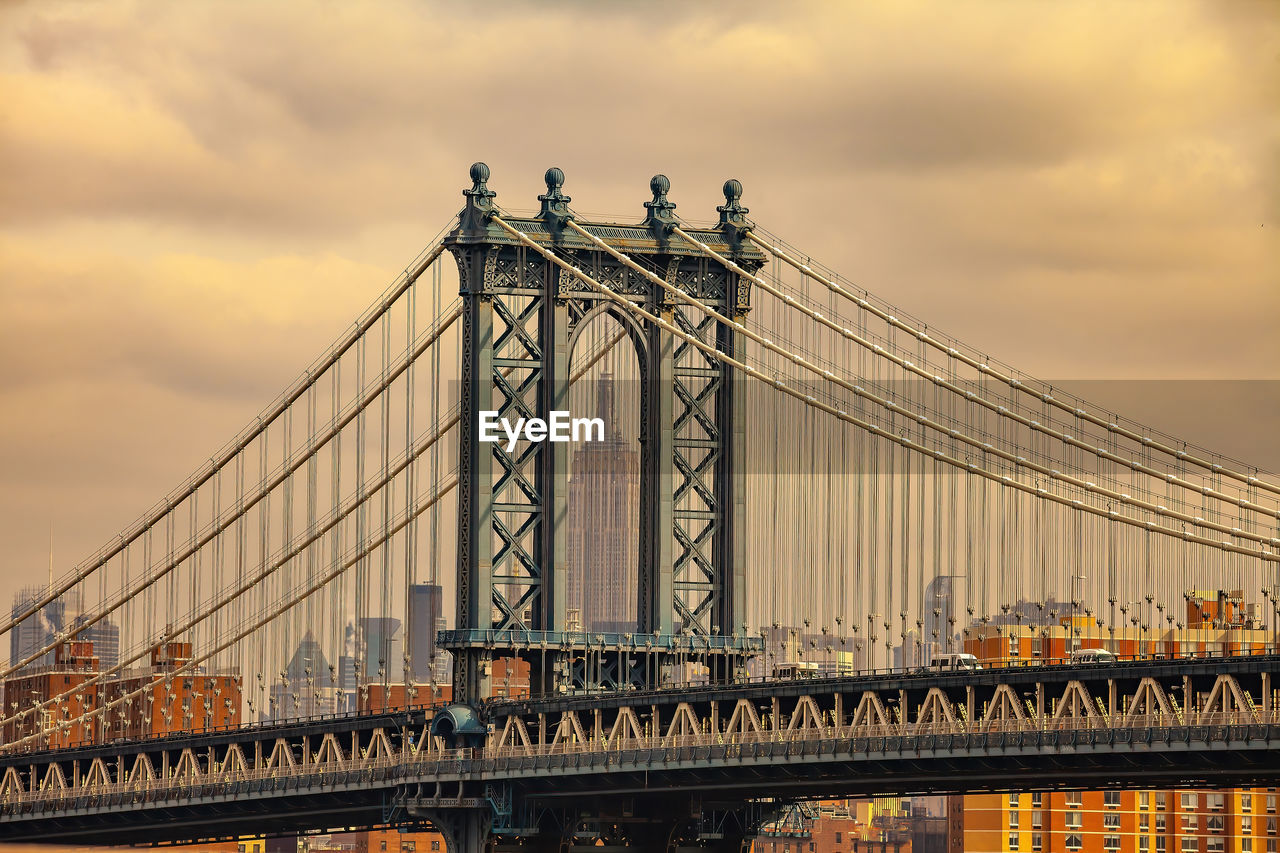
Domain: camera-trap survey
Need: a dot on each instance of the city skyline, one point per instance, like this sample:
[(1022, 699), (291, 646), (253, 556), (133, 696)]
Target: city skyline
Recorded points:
[(928, 340), (1138, 167)]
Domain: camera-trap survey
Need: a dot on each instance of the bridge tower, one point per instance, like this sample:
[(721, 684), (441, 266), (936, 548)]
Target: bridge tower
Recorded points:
[(521, 318)]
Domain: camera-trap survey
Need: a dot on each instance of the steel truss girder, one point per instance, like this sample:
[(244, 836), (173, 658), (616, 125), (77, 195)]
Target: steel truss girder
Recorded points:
[(1211, 722)]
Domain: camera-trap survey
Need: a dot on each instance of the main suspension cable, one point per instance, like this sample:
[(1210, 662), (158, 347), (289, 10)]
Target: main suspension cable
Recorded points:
[(289, 602), (1016, 384), (956, 435), (173, 561), (257, 428), (810, 400), (1000, 410)]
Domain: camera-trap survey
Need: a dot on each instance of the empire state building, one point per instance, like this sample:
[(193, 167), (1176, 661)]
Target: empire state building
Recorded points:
[(604, 543)]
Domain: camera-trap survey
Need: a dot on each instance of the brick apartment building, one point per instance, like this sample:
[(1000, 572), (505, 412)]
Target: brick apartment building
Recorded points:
[(1238, 820)]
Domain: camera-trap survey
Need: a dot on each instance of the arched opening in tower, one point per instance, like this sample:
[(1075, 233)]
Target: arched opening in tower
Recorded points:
[(604, 481)]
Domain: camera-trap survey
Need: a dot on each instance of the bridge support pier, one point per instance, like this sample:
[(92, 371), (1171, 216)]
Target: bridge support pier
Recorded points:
[(464, 830)]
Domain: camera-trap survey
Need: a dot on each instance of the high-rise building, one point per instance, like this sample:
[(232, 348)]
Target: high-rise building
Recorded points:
[(309, 684), (380, 650), (56, 618), (105, 636), (939, 614), (604, 539), (426, 662)]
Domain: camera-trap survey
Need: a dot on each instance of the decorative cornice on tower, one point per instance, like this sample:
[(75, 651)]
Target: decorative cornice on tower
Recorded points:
[(660, 218), (474, 218), (555, 210), (733, 216)]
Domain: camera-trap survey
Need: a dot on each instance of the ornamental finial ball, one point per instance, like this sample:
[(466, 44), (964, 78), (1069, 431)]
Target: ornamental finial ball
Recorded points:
[(732, 190), (479, 172), (554, 178), (659, 184)]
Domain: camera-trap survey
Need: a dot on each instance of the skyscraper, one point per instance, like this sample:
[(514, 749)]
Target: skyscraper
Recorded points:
[(939, 615), (424, 617), (381, 650), (310, 687), (604, 543), (56, 617)]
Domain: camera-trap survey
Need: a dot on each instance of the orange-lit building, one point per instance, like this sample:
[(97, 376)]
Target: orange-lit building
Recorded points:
[(73, 664), (160, 701), (393, 841), (187, 701), (1215, 623), (1224, 821)]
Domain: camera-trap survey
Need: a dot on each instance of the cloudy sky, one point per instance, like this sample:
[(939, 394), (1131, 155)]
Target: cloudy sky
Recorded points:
[(196, 198)]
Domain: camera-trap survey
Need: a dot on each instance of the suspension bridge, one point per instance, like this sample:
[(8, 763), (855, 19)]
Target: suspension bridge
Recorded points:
[(802, 500)]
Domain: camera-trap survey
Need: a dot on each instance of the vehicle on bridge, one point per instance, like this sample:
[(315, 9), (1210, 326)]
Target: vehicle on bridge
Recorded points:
[(953, 662), (798, 669), (1083, 656)]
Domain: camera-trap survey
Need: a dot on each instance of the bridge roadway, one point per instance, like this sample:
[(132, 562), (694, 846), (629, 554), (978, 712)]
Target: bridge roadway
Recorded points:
[(592, 761)]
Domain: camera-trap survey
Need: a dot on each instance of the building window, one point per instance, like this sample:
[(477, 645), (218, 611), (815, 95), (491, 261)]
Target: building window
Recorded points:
[(1190, 845), (1271, 826), (1161, 800), (1190, 823), (1037, 800), (1144, 822), (1160, 843), (1160, 823), (1246, 825), (383, 847), (838, 840), (1013, 841), (1144, 844), (1213, 823), (1111, 799), (1037, 841), (1215, 845), (1246, 802), (1013, 820), (1074, 820), (1188, 802), (1216, 802), (1013, 801), (1073, 842), (1111, 842), (1271, 804), (435, 844), (1144, 799), (1271, 845), (1073, 799), (1111, 821), (1037, 817), (1246, 845)]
